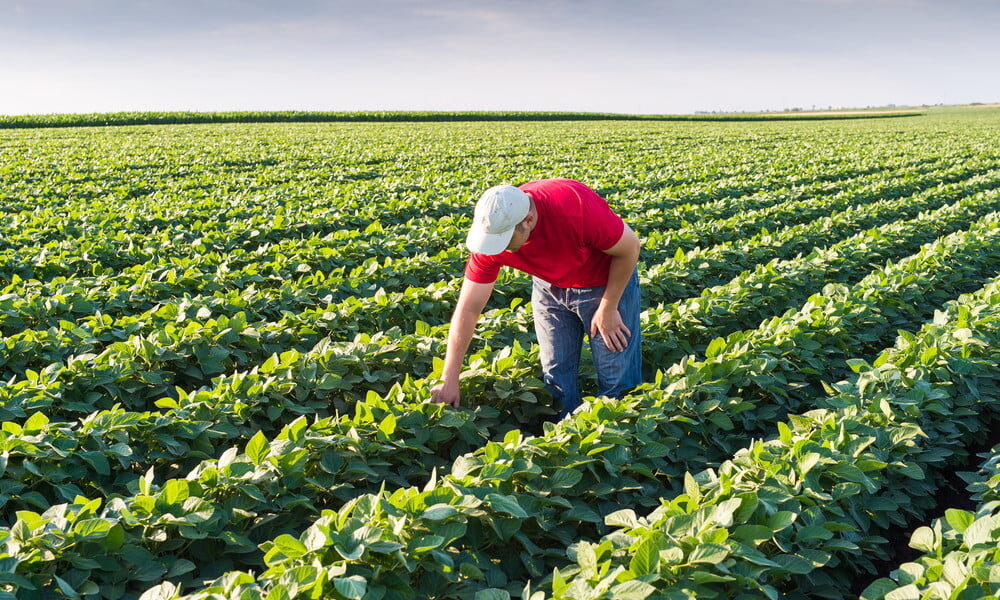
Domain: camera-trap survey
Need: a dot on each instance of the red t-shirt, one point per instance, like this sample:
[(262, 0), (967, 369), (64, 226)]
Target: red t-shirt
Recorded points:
[(565, 248)]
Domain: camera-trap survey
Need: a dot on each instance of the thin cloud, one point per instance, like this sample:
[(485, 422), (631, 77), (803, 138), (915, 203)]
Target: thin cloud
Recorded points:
[(901, 3), (485, 18), (630, 56)]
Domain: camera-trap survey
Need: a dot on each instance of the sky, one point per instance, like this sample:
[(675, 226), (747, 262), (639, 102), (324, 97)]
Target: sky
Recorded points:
[(631, 56)]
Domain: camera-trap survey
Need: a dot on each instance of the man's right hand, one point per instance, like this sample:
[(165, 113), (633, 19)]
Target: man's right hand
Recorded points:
[(446, 393)]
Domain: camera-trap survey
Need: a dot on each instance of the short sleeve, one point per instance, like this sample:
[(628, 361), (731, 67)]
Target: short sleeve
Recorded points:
[(481, 268), (602, 228)]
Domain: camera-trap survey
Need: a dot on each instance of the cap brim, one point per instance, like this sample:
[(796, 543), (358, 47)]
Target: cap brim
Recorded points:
[(488, 243)]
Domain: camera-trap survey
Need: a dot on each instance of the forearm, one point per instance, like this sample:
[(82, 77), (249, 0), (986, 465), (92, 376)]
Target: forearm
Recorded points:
[(463, 326), (618, 277)]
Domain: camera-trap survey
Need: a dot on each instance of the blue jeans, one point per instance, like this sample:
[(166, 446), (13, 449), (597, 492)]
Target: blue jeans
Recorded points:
[(562, 318)]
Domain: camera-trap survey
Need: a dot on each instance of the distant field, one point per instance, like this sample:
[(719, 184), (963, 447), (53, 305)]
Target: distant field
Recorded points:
[(219, 341), (174, 118), (868, 113)]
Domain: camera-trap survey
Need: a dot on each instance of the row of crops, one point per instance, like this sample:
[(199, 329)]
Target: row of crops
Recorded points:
[(409, 116), (219, 341)]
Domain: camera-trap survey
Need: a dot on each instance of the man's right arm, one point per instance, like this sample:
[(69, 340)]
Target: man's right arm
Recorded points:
[(471, 301)]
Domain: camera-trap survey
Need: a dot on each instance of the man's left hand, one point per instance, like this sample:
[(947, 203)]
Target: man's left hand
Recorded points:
[(608, 322)]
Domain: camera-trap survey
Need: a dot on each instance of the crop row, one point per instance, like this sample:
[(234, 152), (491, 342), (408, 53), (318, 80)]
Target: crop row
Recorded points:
[(334, 268), (960, 551), (187, 351), (802, 512), (616, 476), (198, 423), (78, 174), (768, 520), (345, 266), (296, 116), (687, 324), (36, 249), (271, 208), (793, 514)]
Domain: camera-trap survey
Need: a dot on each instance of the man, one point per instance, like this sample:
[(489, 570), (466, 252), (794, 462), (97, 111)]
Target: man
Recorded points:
[(583, 258)]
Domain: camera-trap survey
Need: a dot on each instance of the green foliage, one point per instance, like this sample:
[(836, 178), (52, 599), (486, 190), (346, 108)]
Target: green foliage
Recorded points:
[(789, 513), (167, 118), (219, 341)]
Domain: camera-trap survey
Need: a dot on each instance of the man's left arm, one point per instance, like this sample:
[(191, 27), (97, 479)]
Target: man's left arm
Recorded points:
[(607, 320)]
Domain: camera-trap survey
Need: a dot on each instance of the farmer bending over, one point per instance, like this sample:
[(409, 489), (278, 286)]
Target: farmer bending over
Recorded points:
[(583, 259)]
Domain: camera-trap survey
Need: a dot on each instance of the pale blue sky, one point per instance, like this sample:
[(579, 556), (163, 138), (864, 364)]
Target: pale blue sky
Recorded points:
[(668, 56)]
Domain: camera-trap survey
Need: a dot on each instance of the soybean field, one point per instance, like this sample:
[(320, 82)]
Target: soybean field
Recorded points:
[(219, 340)]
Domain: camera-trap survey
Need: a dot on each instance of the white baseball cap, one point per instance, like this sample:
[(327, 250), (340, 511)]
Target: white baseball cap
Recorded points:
[(498, 211)]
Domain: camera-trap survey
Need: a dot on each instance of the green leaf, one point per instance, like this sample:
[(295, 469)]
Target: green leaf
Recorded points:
[(721, 420), (807, 462), (65, 587), (98, 461), (908, 573), (585, 556), (622, 518), (703, 577), (923, 539), (646, 558), (257, 448), (506, 504), (180, 567), (752, 534), (35, 423), (92, 529), (114, 539), (857, 364), (877, 589), (471, 571), (175, 492), (928, 355), (492, 594), (464, 464), (313, 538), (813, 532), (388, 425), (708, 553), (278, 592), (954, 572), (565, 478), (723, 513), (715, 347), (558, 581), (959, 519), (425, 543), (907, 592), (632, 590), (691, 487), (163, 591), (994, 575), (793, 563), (290, 546), (979, 532), (89, 588), (781, 520), (439, 512), (149, 570), (912, 470), (353, 587)]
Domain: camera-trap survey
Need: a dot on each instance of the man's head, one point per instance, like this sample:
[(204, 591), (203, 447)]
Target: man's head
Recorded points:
[(503, 220)]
